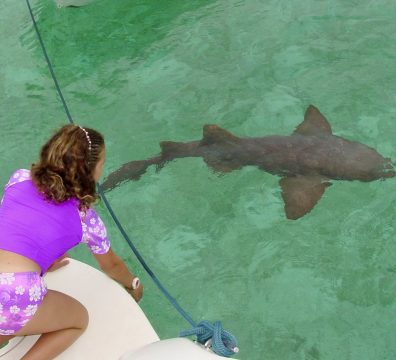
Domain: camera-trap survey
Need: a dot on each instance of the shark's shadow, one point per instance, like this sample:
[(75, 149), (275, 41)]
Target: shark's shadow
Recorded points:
[(306, 161)]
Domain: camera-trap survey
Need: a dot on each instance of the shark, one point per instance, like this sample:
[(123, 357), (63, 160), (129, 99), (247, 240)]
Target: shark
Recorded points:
[(306, 161), (72, 3)]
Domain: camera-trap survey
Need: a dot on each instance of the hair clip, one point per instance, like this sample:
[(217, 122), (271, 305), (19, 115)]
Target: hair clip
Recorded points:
[(88, 138)]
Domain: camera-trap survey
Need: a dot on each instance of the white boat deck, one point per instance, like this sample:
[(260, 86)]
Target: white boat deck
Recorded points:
[(117, 324), (118, 328)]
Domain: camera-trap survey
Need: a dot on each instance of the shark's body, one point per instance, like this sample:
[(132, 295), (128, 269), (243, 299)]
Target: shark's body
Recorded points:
[(305, 160), (72, 3)]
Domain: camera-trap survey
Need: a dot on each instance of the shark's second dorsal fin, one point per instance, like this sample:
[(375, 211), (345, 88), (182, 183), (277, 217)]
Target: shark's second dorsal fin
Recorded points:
[(214, 134), (169, 147), (314, 123)]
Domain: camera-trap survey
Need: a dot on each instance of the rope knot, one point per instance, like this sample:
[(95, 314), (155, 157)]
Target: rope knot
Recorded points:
[(213, 335)]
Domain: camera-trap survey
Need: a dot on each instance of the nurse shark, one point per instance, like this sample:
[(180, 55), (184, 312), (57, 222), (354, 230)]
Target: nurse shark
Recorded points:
[(306, 161)]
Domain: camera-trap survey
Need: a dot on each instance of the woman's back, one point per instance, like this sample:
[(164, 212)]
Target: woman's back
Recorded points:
[(34, 227)]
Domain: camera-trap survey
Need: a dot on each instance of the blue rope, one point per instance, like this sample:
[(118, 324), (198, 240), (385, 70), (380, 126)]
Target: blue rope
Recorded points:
[(143, 262), (51, 69), (101, 193), (222, 342), (219, 335)]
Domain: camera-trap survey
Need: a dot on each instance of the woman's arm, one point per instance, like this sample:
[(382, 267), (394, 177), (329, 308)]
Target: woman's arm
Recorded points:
[(115, 268)]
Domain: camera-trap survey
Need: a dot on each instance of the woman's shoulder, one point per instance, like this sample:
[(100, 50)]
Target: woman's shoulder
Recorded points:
[(18, 176)]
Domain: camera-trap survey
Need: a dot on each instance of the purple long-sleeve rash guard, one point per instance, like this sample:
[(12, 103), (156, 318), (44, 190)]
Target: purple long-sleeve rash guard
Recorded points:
[(41, 230)]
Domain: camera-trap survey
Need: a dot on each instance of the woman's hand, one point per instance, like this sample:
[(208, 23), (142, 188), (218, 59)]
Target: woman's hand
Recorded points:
[(137, 294), (61, 262), (116, 268)]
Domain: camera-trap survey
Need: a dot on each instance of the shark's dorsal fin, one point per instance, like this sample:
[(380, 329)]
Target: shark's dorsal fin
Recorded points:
[(214, 134), (314, 123)]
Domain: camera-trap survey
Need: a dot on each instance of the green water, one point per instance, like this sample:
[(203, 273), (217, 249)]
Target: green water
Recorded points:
[(319, 288)]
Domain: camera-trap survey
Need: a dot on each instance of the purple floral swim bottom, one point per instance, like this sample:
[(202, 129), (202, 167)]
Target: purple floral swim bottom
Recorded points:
[(21, 293)]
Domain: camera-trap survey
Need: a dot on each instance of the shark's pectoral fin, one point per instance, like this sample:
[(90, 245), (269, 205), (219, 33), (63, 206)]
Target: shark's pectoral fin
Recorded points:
[(301, 193), (314, 123)]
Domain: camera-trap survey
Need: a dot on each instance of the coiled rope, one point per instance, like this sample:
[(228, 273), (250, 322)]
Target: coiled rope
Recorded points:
[(213, 335), (223, 343)]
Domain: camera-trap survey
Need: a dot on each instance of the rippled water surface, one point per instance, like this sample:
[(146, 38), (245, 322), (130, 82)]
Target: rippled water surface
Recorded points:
[(322, 287)]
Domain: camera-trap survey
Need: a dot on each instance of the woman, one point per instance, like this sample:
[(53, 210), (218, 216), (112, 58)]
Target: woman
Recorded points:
[(44, 213)]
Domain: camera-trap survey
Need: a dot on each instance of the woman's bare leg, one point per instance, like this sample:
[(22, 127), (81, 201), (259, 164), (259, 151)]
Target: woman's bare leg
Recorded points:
[(61, 320)]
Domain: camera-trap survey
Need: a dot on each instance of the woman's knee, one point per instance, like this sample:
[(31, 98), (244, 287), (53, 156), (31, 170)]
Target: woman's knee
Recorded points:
[(84, 318), (58, 311), (79, 314)]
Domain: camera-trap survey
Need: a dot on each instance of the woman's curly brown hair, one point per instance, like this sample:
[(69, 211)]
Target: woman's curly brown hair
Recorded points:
[(67, 163)]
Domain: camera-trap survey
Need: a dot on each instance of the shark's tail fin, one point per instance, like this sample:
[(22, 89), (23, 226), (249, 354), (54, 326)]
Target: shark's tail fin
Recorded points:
[(132, 170)]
